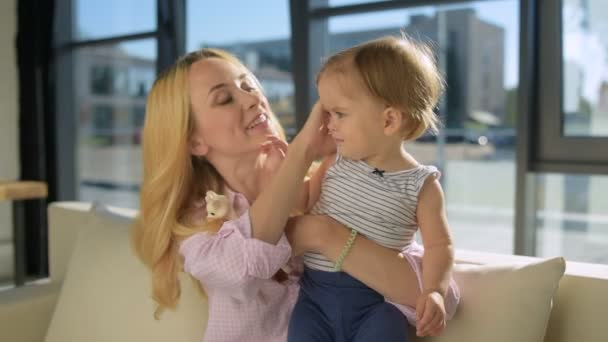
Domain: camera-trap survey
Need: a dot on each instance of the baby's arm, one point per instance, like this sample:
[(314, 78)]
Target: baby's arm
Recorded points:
[(438, 251), (311, 188), (437, 259)]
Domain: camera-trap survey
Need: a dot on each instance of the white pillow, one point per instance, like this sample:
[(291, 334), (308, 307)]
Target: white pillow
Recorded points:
[(106, 295), (503, 303), (106, 292)]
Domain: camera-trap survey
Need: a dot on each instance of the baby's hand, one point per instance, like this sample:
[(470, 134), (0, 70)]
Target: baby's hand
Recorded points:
[(430, 314)]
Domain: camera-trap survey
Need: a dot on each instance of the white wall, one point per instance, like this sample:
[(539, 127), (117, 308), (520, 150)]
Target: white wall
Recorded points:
[(9, 139)]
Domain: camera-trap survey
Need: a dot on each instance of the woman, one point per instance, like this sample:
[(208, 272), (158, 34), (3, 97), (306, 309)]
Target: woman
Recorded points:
[(209, 127)]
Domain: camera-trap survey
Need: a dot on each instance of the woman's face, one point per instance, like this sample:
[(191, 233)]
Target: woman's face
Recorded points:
[(230, 112)]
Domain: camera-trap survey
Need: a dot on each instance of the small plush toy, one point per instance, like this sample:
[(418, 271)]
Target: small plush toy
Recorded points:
[(219, 210), (218, 206)]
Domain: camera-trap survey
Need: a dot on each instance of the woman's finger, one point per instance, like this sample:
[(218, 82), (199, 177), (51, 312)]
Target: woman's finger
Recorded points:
[(272, 140), (281, 146), (276, 142), (280, 149)]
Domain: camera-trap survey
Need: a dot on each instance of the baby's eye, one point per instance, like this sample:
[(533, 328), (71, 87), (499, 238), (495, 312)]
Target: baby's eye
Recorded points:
[(340, 115)]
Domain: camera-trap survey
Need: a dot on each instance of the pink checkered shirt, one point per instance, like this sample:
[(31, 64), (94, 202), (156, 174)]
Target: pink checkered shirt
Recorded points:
[(245, 304)]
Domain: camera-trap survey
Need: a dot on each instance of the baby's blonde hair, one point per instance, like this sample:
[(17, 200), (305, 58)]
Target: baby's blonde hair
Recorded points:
[(173, 179), (399, 72)]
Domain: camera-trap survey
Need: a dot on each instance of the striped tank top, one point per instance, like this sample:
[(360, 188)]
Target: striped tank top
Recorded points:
[(379, 205)]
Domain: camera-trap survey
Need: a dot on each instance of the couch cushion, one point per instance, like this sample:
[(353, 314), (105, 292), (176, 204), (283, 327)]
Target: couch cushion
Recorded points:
[(25, 312), (503, 302), (106, 291), (106, 295)]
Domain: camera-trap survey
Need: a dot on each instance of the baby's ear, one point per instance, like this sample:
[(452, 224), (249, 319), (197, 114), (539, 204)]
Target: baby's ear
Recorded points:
[(394, 120)]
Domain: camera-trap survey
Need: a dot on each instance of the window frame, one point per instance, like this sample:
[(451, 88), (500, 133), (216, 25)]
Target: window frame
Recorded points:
[(553, 151)]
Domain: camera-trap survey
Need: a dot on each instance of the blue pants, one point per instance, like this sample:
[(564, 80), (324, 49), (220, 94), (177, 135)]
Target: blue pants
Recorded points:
[(335, 307)]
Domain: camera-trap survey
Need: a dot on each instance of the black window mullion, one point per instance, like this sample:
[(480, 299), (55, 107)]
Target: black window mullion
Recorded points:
[(36, 101), (71, 45), (171, 28)]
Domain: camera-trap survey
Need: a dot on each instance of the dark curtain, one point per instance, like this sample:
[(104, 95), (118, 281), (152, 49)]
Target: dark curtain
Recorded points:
[(34, 45)]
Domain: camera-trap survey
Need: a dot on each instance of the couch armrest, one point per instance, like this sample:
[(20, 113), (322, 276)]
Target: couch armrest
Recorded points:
[(25, 312), (66, 220)]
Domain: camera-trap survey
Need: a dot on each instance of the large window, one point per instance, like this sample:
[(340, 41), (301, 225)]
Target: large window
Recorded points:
[(522, 150), (106, 62), (476, 45), (569, 152), (111, 84), (260, 38)]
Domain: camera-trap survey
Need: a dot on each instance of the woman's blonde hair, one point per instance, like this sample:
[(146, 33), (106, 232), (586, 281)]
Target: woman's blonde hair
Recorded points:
[(399, 72), (173, 179)]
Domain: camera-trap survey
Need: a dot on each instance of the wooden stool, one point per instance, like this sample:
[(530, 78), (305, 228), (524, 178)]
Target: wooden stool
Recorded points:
[(18, 191)]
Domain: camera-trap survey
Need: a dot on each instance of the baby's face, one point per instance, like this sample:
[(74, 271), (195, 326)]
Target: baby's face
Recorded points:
[(355, 116)]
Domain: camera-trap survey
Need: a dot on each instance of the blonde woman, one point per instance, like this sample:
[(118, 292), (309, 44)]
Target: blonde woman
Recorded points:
[(208, 127)]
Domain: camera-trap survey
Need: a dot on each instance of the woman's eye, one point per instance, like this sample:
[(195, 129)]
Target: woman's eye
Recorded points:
[(248, 87), (224, 100), (339, 115), (249, 84)]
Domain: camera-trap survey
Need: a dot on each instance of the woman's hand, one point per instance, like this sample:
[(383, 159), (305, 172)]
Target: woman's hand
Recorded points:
[(273, 151), (396, 280), (272, 154), (314, 136)]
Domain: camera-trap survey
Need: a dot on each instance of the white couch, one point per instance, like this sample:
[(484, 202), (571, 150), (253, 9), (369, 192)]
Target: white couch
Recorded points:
[(98, 291)]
